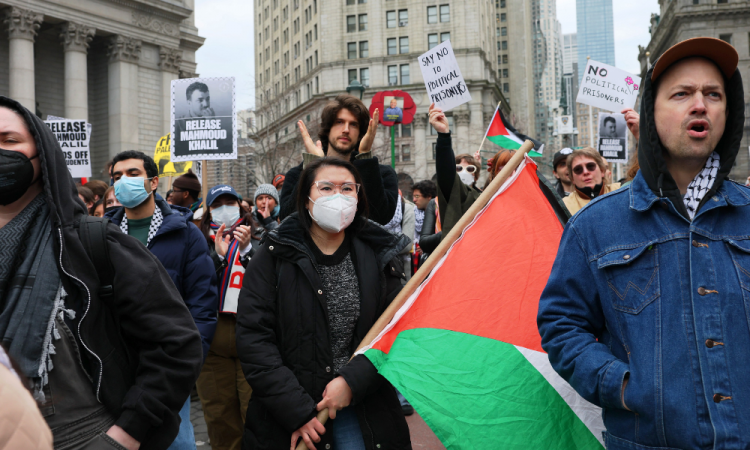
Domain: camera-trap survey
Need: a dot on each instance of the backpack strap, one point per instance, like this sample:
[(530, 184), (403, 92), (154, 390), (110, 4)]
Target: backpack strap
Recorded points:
[(93, 234)]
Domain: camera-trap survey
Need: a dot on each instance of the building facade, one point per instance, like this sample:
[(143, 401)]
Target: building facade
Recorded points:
[(309, 51), (105, 61), (728, 20), (595, 33)]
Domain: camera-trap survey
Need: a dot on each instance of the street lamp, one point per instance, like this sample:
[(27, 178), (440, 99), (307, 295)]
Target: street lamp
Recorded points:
[(355, 86)]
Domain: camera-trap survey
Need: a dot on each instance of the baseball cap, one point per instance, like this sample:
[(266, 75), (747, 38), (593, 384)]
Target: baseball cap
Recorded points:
[(277, 179), (561, 156), (218, 190), (720, 52)]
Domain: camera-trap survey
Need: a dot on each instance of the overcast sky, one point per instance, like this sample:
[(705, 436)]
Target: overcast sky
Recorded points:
[(227, 26), (631, 20)]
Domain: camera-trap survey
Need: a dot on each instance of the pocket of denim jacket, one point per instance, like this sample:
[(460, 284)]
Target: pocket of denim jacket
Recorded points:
[(632, 276), (740, 251)]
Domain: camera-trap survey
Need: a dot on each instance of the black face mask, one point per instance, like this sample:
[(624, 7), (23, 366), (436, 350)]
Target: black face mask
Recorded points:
[(110, 208), (16, 175), (592, 192)]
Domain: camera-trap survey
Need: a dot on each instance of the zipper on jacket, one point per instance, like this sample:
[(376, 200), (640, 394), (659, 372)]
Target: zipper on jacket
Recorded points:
[(88, 306)]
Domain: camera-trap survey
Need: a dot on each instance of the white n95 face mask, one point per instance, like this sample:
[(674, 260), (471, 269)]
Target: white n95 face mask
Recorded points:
[(466, 177), (334, 213), (226, 215)]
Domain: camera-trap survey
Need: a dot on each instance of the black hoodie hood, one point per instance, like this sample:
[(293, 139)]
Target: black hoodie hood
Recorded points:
[(650, 150), (59, 188)]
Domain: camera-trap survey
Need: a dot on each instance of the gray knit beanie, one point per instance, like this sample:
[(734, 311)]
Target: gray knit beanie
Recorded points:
[(266, 189)]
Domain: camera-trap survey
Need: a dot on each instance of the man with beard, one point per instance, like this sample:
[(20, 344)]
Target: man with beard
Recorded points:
[(646, 312), (347, 133)]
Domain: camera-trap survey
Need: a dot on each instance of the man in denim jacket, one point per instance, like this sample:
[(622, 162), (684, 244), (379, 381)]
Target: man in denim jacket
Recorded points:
[(647, 310)]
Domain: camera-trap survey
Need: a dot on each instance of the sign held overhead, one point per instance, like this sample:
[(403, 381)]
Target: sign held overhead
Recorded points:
[(607, 87), (442, 77), (74, 137)]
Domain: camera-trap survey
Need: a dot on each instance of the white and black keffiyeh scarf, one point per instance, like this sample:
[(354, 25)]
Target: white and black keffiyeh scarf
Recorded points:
[(418, 223), (701, 184), (156, 221)]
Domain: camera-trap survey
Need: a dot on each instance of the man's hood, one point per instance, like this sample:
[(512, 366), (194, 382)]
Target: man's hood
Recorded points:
[(650, 150), (59, 188)]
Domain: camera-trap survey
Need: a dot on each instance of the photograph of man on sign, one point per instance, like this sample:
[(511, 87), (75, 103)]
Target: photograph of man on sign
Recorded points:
[(394, 112), (609, 128), (198, 101)]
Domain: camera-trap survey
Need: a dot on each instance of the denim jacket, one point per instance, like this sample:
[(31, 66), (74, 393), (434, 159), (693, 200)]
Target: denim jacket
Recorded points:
[(639, 291)]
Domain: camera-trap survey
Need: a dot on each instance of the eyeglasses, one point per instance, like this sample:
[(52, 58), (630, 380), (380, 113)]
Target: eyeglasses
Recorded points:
[(470, 169), (326, 188), (590, 166)]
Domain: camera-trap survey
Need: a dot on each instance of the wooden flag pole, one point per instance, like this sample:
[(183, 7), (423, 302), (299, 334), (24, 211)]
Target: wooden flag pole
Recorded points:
[(437, 255)]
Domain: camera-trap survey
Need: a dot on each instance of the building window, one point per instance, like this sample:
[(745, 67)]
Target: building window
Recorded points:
[(722, 1), (497, 31), (351, 24), (363, 22), (406, 130), (503, 17), (405, 74), (432, 14), (363, 49), (349, 2), (390, 19), (317, 86), (445, 36), (445, 13), (403, 17), (392, 75), (502, 3), (392, 49), (362, 1), (503, 31), (505, 73), (505, 45), (316, 58), (405, 153), (432, 41), (351, 50), (506, 87), (352, 75), (403, 44), (364, 77), (505, 59), (726, 37)]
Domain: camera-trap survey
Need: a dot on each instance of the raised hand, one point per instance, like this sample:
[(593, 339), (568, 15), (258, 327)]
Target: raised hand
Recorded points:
[(366, 144), (633, 120), (438, 120), (221, 242), (310, 146)]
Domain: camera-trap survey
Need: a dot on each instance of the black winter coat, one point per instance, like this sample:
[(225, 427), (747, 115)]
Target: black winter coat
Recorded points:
[(283, 338)]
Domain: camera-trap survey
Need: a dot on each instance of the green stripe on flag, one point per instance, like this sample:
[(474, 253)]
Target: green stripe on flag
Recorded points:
[(479, 393), (505, 142)]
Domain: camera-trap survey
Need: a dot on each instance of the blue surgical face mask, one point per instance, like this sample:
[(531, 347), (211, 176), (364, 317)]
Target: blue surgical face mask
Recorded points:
[(131, 191), (275, 212)]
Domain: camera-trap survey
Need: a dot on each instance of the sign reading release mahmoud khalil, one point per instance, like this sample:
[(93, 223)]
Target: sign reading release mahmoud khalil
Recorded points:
[(203, 119), (613, 137)]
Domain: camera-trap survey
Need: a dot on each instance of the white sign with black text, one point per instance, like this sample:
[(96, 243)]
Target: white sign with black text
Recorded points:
[(442, 77), (607, 87), (74, 137)]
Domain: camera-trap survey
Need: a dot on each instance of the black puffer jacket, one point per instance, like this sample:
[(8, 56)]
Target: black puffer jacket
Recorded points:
[(283, 338)]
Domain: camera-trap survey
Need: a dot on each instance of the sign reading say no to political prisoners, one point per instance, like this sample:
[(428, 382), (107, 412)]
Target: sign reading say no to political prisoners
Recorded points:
[(74, 138), (203, 119), (442, 77)]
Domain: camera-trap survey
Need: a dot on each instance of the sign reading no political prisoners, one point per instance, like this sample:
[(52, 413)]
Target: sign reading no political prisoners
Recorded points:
[(442, 77), (607, 87), (203, 119), (612, 141), (74, 137)]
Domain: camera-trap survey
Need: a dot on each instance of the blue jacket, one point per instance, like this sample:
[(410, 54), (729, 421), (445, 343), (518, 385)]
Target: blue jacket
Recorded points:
[(639, 291), (182, 249)]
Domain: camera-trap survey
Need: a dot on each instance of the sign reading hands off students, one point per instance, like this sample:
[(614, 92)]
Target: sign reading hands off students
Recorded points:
[(607, 87), (442, 77), (74, 137)]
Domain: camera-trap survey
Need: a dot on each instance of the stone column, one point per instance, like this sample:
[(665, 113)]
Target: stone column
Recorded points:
[(75, 40), (124, 53), (22, 28), (462, 119), (420, 146), (169, 63)]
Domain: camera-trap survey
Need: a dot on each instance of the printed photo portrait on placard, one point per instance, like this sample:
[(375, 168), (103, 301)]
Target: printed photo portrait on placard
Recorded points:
[(394, 109), (203, 119), (613, 137)]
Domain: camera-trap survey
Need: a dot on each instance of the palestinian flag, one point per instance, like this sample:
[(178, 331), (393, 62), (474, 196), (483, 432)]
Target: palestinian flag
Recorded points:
[(465, 349), (502, 133)]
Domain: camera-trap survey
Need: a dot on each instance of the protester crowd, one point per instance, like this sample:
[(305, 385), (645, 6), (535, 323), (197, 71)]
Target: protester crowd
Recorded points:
[(116, 302)]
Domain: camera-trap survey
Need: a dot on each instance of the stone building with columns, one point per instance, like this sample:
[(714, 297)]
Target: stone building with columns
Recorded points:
[(106, 61)]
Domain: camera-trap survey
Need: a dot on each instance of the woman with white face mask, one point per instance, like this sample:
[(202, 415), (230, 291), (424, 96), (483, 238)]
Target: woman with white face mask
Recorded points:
[(222, 388), (311, 292)]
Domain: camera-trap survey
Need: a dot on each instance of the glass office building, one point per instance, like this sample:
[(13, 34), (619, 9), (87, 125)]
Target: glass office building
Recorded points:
[(595, 30)]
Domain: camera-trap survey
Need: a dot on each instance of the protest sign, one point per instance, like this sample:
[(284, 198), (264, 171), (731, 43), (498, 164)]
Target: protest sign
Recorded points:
[(612, 142), (442, 77), (167, 168), (74, 137), (607, 87), (203, 119)]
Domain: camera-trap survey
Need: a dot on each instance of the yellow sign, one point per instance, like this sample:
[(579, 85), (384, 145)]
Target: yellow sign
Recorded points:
[(167, 168)]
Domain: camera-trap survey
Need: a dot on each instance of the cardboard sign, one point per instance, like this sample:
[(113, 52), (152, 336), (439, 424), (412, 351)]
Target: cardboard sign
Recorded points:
[(607, 87), (612, 142), (203, 119), (442, 77), (565, 125), (74, 137), (167, 168)]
